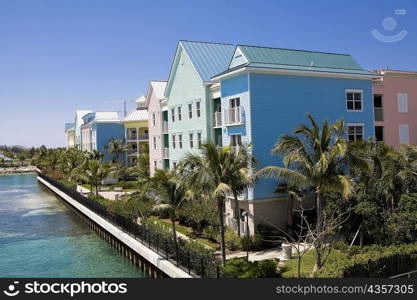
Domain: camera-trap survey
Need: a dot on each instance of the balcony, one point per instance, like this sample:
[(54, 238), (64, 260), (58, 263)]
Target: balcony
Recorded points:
[(165, 153), (233, 116), (233, 224), (131, 136), (165, 127), (137, 137), (217, 119), (132, 152), (379, 114), (143, 136)]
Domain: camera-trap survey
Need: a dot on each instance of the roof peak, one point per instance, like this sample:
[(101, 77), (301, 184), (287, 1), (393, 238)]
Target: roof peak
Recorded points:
[(204, 42), (300, 50)]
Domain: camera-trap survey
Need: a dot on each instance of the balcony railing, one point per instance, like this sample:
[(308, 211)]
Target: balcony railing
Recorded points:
[(165, 127), (132, 152), (131, 136), (217, 119), (233, 224), (143, 136), (233, 116), (379, 114), (166, 153)]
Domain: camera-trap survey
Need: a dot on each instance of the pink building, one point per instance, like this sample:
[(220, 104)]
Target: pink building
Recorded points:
[(155, 102), (395, 106)]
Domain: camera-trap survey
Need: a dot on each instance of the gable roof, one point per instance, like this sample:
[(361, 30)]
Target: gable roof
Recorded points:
[(137, 115), (158, 88), (207, 58), (297, 60), (69, 126)]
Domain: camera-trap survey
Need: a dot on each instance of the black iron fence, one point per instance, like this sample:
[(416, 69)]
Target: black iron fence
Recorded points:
[(183, 257)]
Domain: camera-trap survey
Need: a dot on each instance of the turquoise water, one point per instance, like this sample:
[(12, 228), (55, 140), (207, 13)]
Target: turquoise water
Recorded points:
[(41, 237)]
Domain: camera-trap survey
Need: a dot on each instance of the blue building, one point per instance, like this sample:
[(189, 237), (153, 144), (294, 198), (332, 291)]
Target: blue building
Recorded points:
[(266, 92), (98, 129)]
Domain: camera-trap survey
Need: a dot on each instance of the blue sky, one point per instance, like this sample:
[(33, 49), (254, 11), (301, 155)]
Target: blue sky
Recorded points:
[(61, 55)]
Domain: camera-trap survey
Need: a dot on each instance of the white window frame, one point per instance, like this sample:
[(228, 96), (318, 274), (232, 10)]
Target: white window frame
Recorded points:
[(173, 114), (191, 139), (354, 134), (346, 100), (173, 141), (180, 140), (198, 109), (179, 112), (154, 143), (199, 138), (402, 99), (407, 138), (190, 111)]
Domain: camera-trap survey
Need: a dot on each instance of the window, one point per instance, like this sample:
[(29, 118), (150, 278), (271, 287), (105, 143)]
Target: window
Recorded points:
[(379, 133), (235, 102), (355, 132), (402, 102), (173, 141), (173, 114), (404, 134), (174, 164), (155, 165), (179, 113), (190, 111), (235, 141), (354, 100), (180, 141), (197, 109), (154, 142), (198, 140), (191, 140), (154, 119), (378, 109)]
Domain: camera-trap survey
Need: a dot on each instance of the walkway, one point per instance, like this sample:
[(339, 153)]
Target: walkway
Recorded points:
[(107, 195)]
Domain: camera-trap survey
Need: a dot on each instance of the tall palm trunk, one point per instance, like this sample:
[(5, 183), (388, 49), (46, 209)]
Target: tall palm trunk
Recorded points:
[(174, 231), (238, 212), (318, 208), (221, 224)]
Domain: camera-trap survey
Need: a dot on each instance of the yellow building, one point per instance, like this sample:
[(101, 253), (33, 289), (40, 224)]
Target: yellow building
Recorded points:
[(136, 132)]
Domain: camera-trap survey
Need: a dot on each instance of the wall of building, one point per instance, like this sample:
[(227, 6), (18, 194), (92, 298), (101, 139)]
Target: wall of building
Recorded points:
[(279, 104), (186, 87), (391, 87), (105, 132), (155, 131)]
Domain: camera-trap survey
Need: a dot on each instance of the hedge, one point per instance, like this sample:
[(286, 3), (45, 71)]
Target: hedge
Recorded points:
[(374, 262)]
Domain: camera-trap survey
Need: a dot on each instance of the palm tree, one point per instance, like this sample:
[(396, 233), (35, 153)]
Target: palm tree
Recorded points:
[(94, 154), (314, 157), (116, 147), (169, 194), (21, 156), (210, 173), (94, 172), (240, 167)]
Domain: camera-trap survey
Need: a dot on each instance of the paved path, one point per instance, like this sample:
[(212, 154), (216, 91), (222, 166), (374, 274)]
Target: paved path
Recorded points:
[(262, 255), (107, 195)]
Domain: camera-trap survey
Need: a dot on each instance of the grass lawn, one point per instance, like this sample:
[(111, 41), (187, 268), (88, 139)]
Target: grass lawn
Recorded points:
[(307, 264)]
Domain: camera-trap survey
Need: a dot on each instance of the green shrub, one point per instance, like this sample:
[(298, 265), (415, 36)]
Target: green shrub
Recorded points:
[(251, 243), (128, 184), (374, 261), (211, 233), (232, 240), (241, 268)]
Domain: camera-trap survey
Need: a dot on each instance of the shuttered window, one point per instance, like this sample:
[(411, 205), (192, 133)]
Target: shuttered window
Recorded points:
[(402, 102), (404, 134)]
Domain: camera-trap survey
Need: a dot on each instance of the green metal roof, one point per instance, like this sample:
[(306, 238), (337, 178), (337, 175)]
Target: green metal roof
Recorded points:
[(298, 60)]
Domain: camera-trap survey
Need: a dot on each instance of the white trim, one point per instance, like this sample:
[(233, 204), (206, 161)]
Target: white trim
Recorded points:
[(357, 125), (346, 100), (293, 72)]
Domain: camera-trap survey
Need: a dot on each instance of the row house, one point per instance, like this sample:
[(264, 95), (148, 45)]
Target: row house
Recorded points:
[(266, 92), (395, 107), (158, 125), (78, 121), (98, 129), (136, 132), (69, 135)]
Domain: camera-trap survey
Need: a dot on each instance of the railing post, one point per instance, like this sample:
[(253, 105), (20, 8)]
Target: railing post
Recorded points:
[(202, 267), (217, 271)]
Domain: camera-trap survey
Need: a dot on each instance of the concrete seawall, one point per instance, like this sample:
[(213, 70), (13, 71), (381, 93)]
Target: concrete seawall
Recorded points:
[(111, 231)]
